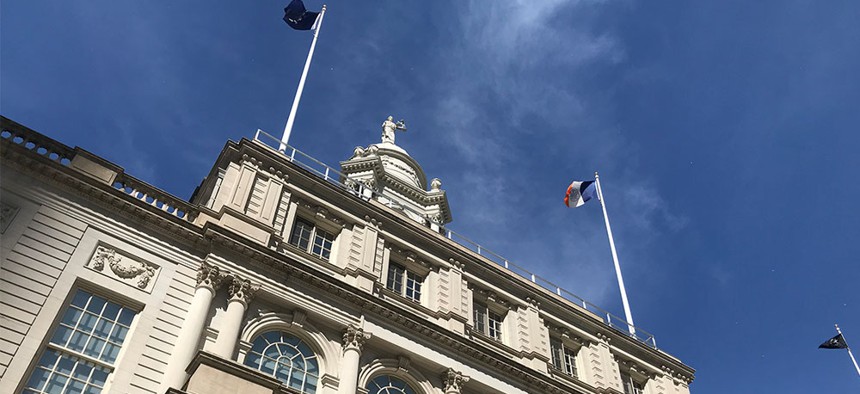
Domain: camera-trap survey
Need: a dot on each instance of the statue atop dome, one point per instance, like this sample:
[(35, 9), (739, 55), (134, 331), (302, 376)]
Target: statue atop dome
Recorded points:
[(389, 128)]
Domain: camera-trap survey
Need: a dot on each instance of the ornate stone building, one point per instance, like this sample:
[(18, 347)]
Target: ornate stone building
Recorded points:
[(280, 275)]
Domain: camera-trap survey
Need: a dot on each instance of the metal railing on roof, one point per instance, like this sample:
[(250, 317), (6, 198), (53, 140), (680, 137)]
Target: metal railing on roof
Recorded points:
[(334, 176)]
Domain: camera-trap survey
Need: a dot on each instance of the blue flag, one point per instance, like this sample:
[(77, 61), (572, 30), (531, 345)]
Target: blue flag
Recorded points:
[(298, 17)]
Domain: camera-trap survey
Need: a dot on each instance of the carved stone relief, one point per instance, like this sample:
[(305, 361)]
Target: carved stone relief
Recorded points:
[(133, 272), (453, 380)]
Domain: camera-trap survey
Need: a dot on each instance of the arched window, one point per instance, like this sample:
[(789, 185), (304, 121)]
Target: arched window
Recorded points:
[(287, 358), (387, 384)]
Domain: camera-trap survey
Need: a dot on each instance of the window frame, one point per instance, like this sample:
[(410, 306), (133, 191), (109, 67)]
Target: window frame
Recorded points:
[(628, 381), (258, 358), (124, 320), (313, 236), (409, 387), (483, 325), (407, 282), (564, 356)]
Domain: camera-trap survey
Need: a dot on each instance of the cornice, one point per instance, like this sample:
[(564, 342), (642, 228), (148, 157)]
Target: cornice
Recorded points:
[(104, 195), (262, 258)]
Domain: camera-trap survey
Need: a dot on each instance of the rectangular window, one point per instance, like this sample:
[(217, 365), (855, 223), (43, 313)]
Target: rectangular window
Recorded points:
[(398, 276), (487, 322), (563, 357), (304, 232), (83, 348), (631, 386)]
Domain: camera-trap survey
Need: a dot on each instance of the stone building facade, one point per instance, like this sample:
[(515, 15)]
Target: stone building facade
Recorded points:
[(277, 278)]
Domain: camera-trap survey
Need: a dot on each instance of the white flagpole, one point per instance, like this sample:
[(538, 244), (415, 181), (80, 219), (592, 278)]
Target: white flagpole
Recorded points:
[(289, 127), (848, 348), (627, 313)]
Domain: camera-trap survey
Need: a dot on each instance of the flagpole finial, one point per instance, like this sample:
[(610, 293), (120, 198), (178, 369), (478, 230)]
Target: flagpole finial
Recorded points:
[(323, 7)]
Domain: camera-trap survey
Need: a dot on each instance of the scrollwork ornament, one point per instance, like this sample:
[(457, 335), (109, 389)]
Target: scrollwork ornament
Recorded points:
[(102, 257), (141, 273), (137, 269)]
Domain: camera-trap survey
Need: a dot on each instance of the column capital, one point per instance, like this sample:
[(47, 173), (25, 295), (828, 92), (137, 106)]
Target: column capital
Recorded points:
[(454, 381), (242, 290), (354, 337), (209, 276)]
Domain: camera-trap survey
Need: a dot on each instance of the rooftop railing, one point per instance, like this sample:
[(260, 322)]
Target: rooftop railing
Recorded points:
[(335, 177), (64, 155)]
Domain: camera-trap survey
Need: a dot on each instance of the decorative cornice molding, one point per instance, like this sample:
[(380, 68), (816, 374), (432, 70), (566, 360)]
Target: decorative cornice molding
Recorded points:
[(264, 165), (320, 212)]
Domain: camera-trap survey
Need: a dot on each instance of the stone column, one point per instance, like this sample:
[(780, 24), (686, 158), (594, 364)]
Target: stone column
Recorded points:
[(454, 381), (209, 278), (241, 292), (354, 338)]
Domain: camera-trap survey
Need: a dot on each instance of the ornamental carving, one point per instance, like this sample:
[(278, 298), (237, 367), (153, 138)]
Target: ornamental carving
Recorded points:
[(354, 337), (7, 213), (209, 276), (134, 272), (454, 381), (242, 290)]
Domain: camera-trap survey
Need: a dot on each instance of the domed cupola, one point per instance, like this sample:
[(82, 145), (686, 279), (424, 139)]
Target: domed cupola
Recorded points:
[(397, 179)]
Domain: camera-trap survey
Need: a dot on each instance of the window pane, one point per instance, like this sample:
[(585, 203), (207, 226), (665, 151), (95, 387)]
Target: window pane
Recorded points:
[(126, 317), (110, 353), (71, 317), (56, 384), (111, 311), (88, 322), (413, 286), (322, 244), (94, 347), (78, 341), (75, 387), (301, 234), (99, 376), (103, 328), (395, 277), (38, 379), (480, 316), (62, 335), (81, 298), (118, 334), (96, 304)]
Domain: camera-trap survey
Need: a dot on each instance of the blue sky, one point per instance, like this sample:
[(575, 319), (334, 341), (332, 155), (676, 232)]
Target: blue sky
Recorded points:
[(725, 133)]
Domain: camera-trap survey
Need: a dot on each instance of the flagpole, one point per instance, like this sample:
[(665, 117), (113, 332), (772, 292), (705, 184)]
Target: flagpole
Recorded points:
[(627, 314), (289, 127), (848, 348)]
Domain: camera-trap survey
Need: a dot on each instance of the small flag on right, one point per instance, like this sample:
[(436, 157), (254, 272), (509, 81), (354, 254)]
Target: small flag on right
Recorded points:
[(579, 192), (837, 342)]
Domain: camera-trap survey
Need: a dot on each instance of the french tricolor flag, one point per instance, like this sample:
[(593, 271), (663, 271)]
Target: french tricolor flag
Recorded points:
[(579, 192)]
